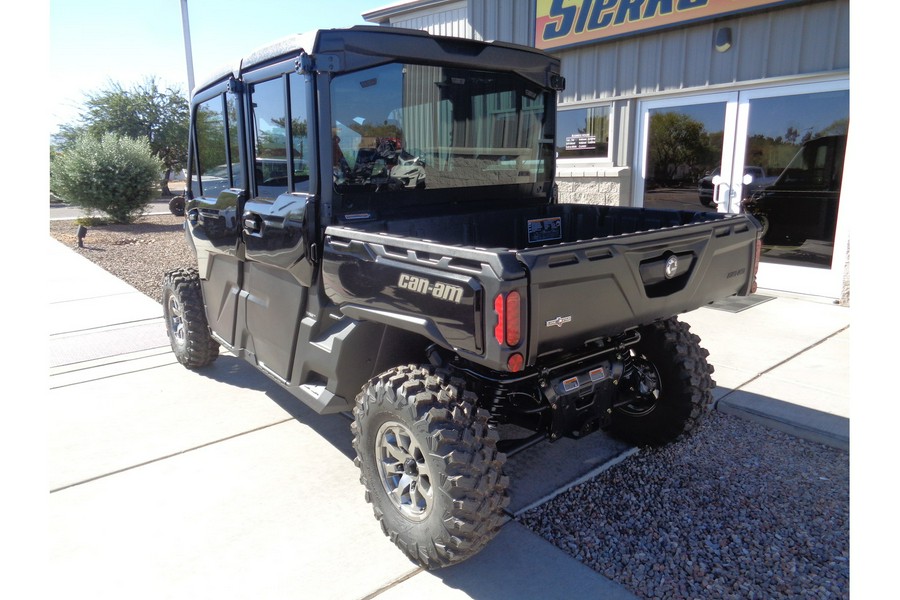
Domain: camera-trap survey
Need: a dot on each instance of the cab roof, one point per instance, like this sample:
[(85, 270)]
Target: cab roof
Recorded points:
[(365, 45)]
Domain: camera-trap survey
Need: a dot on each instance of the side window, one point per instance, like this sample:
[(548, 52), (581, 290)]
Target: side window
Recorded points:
[(300, 149), (280, 153), (211, 173), (231, 113), (583, 132), (216, 161), (270, 142)]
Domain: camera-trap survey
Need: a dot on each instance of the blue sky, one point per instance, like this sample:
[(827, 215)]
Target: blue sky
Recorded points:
[(94, 42)]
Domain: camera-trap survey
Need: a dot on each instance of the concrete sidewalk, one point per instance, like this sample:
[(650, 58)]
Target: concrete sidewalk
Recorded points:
[(178, 484)]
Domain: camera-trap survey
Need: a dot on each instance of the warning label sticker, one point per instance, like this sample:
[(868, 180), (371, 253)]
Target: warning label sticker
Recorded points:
[(543, 230)]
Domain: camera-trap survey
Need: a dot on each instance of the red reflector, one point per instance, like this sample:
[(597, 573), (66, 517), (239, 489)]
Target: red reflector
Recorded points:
[(515, 362), (513, 327), (499, 308)]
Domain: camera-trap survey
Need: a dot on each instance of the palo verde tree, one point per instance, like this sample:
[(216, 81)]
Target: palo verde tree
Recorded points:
[(146, 111)]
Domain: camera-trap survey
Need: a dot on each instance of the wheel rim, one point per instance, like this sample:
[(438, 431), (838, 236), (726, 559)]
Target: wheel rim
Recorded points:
[(176, 319), (642, 389), (403, 471)]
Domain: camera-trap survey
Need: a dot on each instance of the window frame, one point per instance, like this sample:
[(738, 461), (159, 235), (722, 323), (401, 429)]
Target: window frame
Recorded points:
[(285, 71)]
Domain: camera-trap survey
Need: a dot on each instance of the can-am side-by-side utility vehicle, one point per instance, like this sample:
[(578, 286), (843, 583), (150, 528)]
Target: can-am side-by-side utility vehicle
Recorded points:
[(375, 227)]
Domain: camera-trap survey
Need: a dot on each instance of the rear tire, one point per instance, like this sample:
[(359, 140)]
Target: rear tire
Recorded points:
[(185, 317), (429, 464), (666, 389)]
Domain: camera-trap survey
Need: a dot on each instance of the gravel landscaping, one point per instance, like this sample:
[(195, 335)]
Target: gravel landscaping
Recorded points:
[(139, 253), (736, 510)]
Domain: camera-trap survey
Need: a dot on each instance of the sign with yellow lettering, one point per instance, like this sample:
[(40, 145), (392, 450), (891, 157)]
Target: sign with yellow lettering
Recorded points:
[(561, 23)]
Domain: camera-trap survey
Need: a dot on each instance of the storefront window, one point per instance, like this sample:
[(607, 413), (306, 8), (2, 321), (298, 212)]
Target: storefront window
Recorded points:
[(583, 132)]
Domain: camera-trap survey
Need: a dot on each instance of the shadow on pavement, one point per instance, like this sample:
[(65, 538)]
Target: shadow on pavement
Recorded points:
[(333, 428)]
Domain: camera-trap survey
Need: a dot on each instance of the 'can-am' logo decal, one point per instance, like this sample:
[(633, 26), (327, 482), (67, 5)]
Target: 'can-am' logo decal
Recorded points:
[(439, 290)]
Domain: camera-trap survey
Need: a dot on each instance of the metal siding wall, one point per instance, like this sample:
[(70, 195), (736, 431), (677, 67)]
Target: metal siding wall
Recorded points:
[(453, 22), (753, 55), (503, 20), (649, 59), (809, 39), (672, 63)]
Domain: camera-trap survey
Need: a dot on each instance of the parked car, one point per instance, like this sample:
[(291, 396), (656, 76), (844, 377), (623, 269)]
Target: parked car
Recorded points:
[(706, 188)]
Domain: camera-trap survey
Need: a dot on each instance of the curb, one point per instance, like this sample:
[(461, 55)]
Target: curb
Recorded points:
[(799, 421)]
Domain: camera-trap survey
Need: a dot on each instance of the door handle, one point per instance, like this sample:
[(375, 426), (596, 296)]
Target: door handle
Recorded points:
[(252, 224), (723, 197)]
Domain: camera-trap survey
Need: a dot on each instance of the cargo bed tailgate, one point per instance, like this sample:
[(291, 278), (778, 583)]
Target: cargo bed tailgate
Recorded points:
[(585, 290)]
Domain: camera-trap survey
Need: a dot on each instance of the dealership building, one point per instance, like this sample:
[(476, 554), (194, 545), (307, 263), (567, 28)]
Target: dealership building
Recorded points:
[(724, 105)]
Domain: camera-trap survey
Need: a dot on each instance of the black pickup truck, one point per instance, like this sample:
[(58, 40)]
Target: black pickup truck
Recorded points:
[(375, 225)]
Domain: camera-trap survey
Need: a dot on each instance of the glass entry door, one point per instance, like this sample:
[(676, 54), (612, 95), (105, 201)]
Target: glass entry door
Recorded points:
[(795, 137), (776, 153), (686, 144)]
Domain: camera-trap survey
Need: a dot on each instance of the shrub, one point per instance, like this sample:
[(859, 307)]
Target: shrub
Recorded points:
[(114, 175)]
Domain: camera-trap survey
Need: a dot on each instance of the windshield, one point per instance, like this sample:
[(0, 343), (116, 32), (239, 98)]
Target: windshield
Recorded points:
[(404, 128)]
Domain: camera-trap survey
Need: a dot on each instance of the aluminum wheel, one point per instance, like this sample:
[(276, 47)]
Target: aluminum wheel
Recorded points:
[(176, 320), (403, 471)]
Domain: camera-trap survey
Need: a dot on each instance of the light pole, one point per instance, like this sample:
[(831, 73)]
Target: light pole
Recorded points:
[(187, 46)]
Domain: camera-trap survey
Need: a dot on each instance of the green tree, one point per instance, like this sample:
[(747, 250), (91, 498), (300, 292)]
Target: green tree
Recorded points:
[(676, 141), (146, 110), (113, 174)]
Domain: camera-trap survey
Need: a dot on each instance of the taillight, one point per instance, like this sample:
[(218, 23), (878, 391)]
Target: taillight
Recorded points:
[(508, 308), (513, 319), (500, 311)]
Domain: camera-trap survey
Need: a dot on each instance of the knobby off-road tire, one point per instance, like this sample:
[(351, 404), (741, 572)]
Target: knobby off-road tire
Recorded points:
[(429, 464), (670, 387), (185, 318)]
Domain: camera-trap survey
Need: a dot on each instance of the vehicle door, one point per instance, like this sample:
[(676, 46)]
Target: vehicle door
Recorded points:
[(215, 199), (278, 222)]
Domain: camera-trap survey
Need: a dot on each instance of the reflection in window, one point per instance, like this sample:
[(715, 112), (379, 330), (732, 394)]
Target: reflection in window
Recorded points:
[(683, 153), (299, 133), (404, 127), (583, 132), (271, 142), (269, 138), (799, 141), (212, 171)]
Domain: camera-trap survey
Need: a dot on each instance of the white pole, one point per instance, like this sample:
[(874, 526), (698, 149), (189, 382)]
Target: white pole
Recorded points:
[(187, 46)]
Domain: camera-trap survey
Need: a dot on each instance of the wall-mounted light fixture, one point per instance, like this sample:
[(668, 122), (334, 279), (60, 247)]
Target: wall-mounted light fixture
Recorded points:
[(723, 39)]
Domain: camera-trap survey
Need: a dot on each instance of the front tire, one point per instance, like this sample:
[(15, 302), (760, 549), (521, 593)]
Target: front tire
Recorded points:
[(666, 388), (430, 465), (185, 317)]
